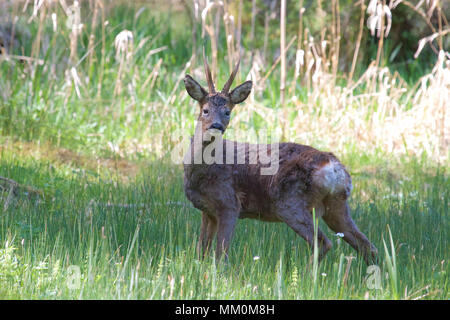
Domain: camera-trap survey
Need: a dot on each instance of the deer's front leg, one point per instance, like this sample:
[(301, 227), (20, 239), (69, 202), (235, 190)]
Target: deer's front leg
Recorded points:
[(207, 233), (227, 221)]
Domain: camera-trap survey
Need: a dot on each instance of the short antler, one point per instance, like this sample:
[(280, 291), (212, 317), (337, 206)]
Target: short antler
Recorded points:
[(208, 74), (227, 86)]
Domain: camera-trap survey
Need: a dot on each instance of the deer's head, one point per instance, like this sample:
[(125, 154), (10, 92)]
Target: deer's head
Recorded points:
[(216, 107)]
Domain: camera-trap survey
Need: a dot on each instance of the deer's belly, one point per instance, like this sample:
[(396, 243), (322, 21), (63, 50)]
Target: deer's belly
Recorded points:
[(263, 216)]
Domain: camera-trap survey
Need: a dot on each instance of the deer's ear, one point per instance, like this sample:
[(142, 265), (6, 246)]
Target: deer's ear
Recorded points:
[(241, 92), (194, 89)]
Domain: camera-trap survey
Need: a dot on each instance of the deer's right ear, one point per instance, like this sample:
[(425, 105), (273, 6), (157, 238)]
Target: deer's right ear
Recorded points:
[(194, 89)]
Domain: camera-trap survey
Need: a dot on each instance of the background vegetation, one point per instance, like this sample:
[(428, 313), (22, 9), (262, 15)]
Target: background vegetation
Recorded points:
[(92, 104)]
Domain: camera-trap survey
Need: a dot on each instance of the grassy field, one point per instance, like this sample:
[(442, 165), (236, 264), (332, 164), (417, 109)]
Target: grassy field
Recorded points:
[(87, 130), (135, 237)]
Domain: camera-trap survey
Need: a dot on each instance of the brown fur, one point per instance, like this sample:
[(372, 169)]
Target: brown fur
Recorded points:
[(307, 180)]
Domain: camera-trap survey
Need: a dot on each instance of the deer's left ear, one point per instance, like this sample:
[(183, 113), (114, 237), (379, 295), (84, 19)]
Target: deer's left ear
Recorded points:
[(241, 92), (194, 89)]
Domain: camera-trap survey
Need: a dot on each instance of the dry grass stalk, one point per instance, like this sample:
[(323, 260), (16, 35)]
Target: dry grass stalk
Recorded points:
[(40, 8), (74, 23), (193, 17), (283, 52), (252, 30), (152, 77), (347, 270), (379, 13), (228, 20), (266, 34), (172, 95), (103, 49), (239, 26), (425, 16), (358, 41), (429, 39), (13, 29), (337, 39), (381, 30), (211, 30), (124, 45), (299, 56), (94, 23), (333, 39)]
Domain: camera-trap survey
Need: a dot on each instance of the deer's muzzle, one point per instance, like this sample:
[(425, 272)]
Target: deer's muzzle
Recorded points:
[(217, 126)]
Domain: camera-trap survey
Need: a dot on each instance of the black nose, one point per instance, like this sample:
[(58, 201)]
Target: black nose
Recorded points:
[(217, 126)]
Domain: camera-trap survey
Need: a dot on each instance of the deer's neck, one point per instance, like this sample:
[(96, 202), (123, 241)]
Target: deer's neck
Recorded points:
[(204, 147)]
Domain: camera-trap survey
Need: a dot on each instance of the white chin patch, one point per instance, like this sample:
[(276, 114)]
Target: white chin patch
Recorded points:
[(214, 131)]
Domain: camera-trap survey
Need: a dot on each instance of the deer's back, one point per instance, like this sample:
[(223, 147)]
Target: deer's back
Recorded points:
[(304, 172)]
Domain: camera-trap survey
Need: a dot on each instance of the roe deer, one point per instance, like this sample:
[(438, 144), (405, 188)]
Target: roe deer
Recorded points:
[(307, 179)]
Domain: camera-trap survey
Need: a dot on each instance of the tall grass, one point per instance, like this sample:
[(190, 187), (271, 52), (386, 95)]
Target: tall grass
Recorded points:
[(137, 240), (92, 103)]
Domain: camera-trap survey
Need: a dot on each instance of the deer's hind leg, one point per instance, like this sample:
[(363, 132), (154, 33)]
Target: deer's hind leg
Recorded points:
[(299, 218), (337, 217), (207, 232)]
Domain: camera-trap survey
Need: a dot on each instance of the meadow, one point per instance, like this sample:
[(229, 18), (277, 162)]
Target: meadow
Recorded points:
[(92, 205)]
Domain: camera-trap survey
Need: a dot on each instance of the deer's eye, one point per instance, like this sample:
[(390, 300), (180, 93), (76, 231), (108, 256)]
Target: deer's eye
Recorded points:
[(205, 112), (227, 113)]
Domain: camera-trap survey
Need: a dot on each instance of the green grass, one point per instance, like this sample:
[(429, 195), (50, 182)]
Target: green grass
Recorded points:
[(136, 239), (121, 217)]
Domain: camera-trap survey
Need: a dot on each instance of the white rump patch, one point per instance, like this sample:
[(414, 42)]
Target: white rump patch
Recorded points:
[(332, 177)]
